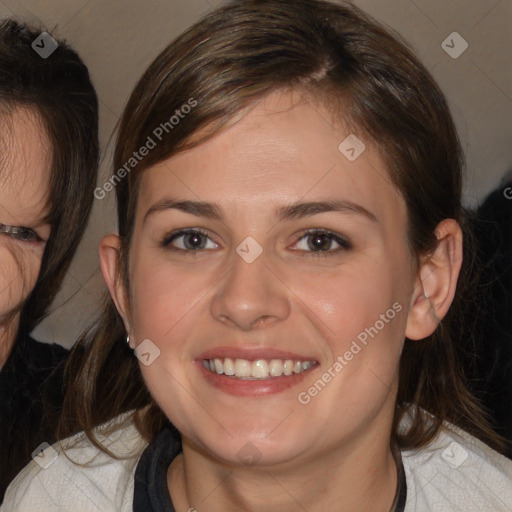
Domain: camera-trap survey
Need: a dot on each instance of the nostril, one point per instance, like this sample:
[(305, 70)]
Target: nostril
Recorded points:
[(260, 321)]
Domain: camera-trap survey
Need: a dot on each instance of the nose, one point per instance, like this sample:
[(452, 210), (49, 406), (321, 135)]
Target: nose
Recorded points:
[(251, 296)]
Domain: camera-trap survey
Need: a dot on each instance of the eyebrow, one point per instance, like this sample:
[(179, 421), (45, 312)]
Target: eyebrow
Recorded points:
[(300, 210), (292, 211)]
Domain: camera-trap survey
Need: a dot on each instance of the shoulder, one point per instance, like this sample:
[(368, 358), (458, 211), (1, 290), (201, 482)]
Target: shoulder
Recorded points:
[(33, 372), (76, 475), (31, 368), (34, 359), (459, 470)]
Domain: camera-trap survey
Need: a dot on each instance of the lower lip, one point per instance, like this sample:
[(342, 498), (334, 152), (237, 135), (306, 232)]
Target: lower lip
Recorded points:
[(240, 387)]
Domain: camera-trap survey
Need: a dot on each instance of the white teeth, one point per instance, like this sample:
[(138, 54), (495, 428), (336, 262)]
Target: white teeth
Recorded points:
[(219, 368), (259, 369), (229, 368), (276, 368), (243, 368)]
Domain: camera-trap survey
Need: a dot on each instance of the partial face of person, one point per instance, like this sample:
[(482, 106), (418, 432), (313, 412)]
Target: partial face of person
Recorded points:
[(270, 272), (24, 182)]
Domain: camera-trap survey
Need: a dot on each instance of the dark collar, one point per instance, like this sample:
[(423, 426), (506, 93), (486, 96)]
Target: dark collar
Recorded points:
[(151, 493), (401, 486)]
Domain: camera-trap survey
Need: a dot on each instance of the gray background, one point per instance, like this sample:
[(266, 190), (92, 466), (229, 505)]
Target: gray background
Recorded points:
[(118, 40)]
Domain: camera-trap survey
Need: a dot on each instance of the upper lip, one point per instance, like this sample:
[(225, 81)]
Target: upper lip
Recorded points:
[(252, 354)]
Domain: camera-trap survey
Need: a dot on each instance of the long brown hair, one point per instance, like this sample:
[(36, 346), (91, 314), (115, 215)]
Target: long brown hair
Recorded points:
[(338, 55)]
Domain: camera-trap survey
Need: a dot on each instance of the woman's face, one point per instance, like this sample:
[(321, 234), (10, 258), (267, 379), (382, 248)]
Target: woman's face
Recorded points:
[(267, 251), (24, 179)]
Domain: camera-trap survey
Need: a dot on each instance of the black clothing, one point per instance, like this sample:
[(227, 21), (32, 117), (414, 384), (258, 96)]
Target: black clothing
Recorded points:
[(26, 379), (401, 490), (151, 493), (490, 373)]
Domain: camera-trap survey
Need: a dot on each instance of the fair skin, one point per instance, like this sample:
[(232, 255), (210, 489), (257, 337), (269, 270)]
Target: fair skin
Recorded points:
[(24, 179), (332, 453)]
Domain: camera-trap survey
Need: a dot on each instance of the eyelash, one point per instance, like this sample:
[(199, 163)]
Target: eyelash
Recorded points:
[(15, 231), (344, 244), (166, 242), (341, 241)]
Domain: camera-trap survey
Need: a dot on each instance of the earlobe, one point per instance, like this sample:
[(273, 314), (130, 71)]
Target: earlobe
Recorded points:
[(109, 262), (436, 282)]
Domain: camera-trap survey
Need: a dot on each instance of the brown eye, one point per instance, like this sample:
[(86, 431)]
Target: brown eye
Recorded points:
[(319, 241), (20, 233)]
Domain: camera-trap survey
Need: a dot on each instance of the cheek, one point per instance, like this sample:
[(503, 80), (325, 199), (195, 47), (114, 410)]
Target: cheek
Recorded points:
[(349, 299), (362, 316), (360, 311), (168, 309), (163, 295), (19, 268)]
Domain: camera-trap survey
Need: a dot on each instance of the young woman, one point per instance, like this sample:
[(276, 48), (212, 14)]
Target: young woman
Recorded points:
[(48, 165), (290, 245)]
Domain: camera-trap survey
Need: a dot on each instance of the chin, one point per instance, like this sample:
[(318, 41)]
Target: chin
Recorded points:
[(252, 449)]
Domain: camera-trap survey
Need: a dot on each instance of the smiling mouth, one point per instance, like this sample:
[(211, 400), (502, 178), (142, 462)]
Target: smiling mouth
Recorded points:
[(260, 369)]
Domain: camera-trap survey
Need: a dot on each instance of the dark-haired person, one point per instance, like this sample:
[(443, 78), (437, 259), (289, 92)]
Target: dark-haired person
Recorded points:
[(48, 167), (285, 271)]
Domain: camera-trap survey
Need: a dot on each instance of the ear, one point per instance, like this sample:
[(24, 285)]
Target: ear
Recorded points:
[(436, 282), (109, 261)]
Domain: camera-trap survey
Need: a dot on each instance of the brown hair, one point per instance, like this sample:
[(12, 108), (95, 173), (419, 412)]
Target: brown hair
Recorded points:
[(234, 56), (58, 89)]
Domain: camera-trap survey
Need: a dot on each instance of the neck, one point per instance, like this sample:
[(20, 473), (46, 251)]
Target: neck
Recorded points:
[(8, 331), (362, 478)]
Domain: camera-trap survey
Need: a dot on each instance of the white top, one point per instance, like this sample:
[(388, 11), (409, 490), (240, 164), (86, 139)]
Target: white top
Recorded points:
[(455, 472)]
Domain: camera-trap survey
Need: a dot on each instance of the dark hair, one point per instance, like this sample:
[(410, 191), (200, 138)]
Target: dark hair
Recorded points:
[(333, 53), (59, 91)]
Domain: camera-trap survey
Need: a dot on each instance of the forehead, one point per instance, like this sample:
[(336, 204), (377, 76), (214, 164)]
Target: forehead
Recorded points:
[(284, 149), (25, 166)]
